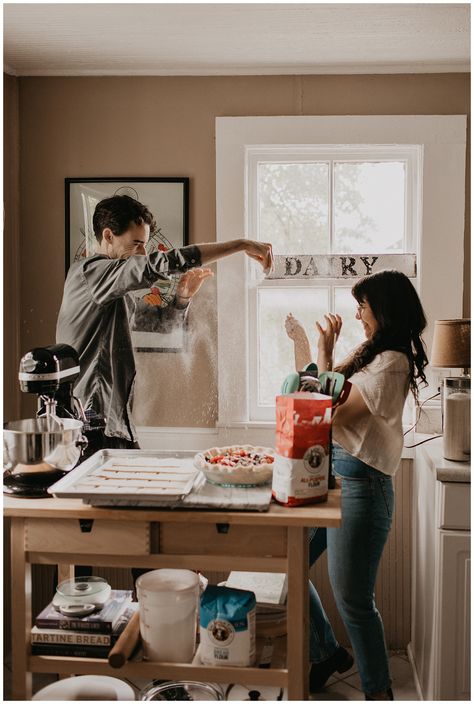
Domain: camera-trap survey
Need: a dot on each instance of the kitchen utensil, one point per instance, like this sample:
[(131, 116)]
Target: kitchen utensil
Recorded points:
[(37, 452), (168, 602), (181, 691), (77, 610), (130, 478), (332, 384), (308, 377), (126, 643), (50, 372), (457, 418), (86, 688), (79, 592), (242, 693)]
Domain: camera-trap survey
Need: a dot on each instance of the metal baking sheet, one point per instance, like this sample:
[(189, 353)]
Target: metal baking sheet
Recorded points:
[(198, 493), (130, 476)]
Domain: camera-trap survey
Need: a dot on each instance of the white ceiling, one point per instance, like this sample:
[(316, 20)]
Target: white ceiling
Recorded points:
[(224, 39)]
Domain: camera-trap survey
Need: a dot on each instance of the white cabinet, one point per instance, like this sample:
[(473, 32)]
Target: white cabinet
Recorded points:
[(440, 633)]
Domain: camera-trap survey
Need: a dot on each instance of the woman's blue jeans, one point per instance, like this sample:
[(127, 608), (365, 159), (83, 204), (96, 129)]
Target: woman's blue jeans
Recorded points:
[(354, 552)]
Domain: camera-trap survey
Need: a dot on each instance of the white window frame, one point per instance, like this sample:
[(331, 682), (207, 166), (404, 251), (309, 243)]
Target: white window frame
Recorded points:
[(441, 220), (410, 155)]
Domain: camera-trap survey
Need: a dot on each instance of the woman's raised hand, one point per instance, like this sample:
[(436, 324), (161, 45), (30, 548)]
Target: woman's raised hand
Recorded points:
[(294, 329), (297, 333), (328, 335)]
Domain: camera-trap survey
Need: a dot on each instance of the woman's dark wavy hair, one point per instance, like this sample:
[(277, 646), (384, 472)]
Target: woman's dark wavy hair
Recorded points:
[(117, 212), (401, 320)]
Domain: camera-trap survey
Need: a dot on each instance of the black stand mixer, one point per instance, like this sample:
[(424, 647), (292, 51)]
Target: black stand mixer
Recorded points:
[(37, 452)]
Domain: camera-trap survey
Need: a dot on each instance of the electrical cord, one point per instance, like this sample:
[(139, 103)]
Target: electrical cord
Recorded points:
[(433, 437), (430, 398), (416, 422)]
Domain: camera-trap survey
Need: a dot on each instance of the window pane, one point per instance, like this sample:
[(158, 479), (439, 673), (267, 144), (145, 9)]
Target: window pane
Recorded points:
[(352, 333), (293, 207), (369, 207), (275, 349)]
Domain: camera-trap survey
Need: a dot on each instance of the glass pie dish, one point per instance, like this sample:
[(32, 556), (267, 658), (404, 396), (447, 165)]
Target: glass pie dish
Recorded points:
[(236, 465)]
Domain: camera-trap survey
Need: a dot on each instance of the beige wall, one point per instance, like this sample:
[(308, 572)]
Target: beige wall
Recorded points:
[(11, 247), (164, 126)]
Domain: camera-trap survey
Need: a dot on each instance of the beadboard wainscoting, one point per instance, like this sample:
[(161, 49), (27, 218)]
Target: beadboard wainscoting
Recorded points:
[(393, 590)]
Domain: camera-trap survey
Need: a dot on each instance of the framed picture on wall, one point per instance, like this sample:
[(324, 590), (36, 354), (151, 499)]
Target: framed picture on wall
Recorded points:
[(168, 200)]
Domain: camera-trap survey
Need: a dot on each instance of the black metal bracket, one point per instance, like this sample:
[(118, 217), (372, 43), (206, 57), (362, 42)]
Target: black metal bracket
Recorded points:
[(85, 524)]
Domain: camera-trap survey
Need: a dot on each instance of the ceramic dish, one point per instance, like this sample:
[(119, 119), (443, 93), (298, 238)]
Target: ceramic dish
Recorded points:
[(236, 465), (86, 687)]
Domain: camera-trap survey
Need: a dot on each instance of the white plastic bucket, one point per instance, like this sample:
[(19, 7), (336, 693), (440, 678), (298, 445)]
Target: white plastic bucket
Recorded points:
[(168, 601)]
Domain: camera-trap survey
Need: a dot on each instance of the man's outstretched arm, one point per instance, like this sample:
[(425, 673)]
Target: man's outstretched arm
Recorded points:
[(260, 251)]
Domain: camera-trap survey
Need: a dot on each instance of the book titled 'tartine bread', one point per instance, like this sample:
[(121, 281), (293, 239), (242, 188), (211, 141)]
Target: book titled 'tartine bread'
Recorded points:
[(64, 642)]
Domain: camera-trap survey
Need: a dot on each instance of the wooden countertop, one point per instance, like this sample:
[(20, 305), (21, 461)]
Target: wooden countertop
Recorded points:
[(324, 514)]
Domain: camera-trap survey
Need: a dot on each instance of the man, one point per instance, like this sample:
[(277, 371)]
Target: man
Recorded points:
[(98, 310)]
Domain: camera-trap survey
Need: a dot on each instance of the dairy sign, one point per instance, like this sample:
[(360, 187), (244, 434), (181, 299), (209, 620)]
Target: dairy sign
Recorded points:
[(340, 266)]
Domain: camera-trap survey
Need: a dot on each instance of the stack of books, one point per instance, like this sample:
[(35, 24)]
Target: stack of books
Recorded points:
[(90, 636), (271, 590)]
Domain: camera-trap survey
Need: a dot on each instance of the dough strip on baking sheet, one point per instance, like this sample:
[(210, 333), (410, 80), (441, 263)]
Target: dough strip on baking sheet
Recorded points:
[(143, 468), (140, 480), (116, 471), (147, 462), (146, 476), (127, 489)]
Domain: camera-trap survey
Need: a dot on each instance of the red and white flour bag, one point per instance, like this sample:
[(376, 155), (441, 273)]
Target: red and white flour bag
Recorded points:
[(303, 431)]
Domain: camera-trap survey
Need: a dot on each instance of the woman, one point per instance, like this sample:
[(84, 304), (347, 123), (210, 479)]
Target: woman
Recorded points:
[(367, 446)]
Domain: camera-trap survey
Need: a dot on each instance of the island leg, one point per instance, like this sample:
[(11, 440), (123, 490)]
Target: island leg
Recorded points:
[(298, 614), (22, 680)]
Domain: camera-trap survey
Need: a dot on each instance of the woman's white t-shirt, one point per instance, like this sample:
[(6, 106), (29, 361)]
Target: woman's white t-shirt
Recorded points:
[(377, 439)]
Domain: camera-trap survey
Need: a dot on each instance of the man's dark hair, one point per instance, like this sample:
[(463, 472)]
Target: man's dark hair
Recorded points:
[(117, 213)]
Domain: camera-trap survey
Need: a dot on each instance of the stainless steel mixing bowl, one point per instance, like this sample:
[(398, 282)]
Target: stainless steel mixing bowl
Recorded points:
[(36, 441)]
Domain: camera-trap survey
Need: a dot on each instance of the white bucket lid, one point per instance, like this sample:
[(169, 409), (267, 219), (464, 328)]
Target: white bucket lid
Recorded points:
[(86, 687), (168, 580)]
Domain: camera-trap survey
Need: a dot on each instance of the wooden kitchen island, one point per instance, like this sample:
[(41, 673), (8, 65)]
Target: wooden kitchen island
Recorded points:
[(67, 532)]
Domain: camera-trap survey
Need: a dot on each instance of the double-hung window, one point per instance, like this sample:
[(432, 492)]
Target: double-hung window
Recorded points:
[(332, 215)]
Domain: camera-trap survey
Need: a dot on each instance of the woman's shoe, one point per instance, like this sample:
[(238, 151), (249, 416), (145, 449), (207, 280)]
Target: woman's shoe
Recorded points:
[(320, 672), (389, 696)]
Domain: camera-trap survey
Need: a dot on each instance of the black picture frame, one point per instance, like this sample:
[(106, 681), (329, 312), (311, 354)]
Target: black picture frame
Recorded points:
[(168, 200)]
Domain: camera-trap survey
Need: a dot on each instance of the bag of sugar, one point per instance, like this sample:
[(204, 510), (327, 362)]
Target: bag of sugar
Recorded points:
[(303, 438)]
